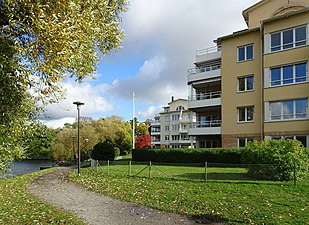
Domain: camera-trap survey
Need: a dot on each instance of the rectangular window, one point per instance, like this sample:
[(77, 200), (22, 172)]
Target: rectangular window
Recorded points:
[(242, 142), (301, 138), (175, 137), (288, 74), (245, 53), (167, 137), (245, 83), (175, 117), (289, 109), (167, 128), (245, 114), (287, 39), (175, 127)]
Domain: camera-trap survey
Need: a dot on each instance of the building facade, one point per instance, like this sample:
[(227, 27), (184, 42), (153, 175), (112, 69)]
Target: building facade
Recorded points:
[(254, 84), (170, 127)]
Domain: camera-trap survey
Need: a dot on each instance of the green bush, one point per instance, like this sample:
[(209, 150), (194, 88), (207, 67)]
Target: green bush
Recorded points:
[(117, 151), (103, 151), (276, 159), (188, 155)]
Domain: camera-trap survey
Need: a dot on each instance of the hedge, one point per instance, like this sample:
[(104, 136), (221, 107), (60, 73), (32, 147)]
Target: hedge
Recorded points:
[(187, 155)]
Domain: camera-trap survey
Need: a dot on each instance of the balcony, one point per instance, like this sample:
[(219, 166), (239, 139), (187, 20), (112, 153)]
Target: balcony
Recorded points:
[(155, 131), (155, 142), (211, 127), (207, 99), (204, 73), (191, 119), (183, 130), (208, 54)]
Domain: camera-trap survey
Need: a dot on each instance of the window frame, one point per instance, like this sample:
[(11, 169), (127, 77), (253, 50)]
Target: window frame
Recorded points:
[(246, 114), (245, 47), (246, 83), (290, 45), (294, 79), (287, 117), (246, 139)]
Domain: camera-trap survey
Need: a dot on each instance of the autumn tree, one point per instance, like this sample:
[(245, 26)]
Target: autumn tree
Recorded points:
[(43, 41), (143, 141)]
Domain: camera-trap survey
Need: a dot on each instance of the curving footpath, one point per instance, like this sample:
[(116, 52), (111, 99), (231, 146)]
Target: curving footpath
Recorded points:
[(55, 188)]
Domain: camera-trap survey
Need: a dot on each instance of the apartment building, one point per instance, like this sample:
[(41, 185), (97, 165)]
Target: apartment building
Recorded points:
[(254, 83), (170, 127)]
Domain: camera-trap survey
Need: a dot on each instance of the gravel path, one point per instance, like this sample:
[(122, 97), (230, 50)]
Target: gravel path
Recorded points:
[(96, 209)]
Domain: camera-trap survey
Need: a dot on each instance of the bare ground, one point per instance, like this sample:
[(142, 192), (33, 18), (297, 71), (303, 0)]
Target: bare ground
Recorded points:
[(96, 209)]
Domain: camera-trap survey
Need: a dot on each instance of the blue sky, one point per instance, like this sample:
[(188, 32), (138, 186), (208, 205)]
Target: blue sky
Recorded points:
[(162, 37)]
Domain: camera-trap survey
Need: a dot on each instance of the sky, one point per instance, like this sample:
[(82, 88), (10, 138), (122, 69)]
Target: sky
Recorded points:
[(161, 39)]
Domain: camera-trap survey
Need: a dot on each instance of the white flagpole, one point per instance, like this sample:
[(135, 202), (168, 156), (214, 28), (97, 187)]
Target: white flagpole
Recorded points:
[(133, 121)]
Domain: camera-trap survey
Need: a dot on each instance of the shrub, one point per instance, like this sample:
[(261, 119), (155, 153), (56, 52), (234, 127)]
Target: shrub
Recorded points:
[(276, 159), (117, 151), (187, 155), (103, 151)]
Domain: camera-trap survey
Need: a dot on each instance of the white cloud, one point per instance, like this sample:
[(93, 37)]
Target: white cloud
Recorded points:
[(58, 123), (148, 113), (85, 92)]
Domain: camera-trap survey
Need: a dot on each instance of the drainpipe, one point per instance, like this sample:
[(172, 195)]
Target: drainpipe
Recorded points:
[(262, 80)]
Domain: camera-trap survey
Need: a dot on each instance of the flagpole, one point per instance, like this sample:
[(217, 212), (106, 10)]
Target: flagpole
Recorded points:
[(133, 121)]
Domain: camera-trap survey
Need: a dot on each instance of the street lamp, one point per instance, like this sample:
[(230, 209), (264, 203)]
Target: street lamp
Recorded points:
[(74, 155), (78, 104)]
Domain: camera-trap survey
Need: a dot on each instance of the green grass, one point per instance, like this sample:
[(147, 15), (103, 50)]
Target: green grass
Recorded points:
[(230, 198), (19, 207)]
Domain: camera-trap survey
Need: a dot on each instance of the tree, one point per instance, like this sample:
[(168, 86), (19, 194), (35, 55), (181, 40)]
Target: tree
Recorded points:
[(53, 38), (16, 109), (38, 141), (103, 151), (42, 42), (143, 141)]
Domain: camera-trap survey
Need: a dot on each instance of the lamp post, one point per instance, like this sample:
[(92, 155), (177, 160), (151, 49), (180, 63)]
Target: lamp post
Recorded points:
[(78, 104), (74, 156)]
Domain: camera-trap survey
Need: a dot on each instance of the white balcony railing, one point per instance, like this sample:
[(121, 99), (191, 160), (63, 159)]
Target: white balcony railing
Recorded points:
[(208, 50), (209, 68), (203, 124), (205, 96)]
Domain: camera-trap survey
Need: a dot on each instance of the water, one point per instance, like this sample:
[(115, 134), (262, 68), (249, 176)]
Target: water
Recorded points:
[(28, 166)]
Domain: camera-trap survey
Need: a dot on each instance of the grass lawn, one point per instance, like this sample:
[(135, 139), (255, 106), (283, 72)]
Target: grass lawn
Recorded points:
[(229, 197), (18, 207)]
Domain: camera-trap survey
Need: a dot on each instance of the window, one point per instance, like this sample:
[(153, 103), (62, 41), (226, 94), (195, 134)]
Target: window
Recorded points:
[(289, 109), (180, 108), (175, 127), (167, 128), (301, 138), (288, 74), (242, 142), (245, 83), (208, 144), (245, 114), (175, 117), (167, 137), (175, 137), (288, 39), (245, 53)]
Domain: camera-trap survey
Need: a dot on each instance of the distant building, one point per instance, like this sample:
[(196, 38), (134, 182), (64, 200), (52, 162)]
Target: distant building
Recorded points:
[(253, 84), (170, 127)]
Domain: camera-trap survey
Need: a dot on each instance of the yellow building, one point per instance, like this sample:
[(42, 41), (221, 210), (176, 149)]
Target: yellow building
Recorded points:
[(254, 84)]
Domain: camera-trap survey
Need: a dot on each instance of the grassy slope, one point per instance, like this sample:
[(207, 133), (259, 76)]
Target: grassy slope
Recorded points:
[(232, 202), (19, 207)]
